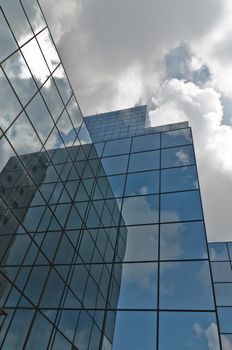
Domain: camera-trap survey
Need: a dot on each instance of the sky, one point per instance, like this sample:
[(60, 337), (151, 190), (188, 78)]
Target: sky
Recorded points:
[(173, 55)]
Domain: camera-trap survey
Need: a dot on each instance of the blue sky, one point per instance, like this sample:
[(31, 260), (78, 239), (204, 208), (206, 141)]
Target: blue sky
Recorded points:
[(173, 55)]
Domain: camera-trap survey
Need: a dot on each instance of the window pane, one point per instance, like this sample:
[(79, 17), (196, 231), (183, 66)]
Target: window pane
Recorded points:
[(145, 143), (144, 161), (138, 287), (48, 49), (140, 210), (218, 251), (176, 138), (37, 66), (11, 108), (132, 330), (186, 285), (177, 156), (223, 294), (192, 331), (142, 183), (39, 333), (226, 341), (181, 206), (177, 179), (18, 330), (221, 271), (20, 77), (115, 165), (7, 42), (117, 147), (35, 16), (182, 241), (17, 20), (225, 319), (117, 184), (141, 243)]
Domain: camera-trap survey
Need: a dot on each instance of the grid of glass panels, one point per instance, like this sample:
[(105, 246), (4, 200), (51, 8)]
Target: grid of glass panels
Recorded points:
[(221, 263), (124, 123), (102, 246), (166, 284)]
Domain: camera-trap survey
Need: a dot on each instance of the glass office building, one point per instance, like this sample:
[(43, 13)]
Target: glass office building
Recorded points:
[(102, 236)]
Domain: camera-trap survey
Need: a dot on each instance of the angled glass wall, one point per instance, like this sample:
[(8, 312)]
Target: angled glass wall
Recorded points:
[(166, 293)]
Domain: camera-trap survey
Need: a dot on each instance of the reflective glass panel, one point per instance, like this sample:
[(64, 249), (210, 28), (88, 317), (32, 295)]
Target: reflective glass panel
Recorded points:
[(11, 109), (186, 285), (37, 66), (23, 137), (144, 161), (116, 147), (52, 99), (138, 287), (141, 243), (132, 330), (218, 251), (48, 49), (140, 210), (184, 240), (181, 206), (176, 138), (35, 16), (221, 271), (192, 331), (40, 117), (18, 330), (7, 43), (177, 156), (17, 20), (145, 143), (223, 293), (115, 165), (226, 341), (142, 183), (117, 184), (20, 77), (225, 319), (39, 333), (62, 83), (177, 179)]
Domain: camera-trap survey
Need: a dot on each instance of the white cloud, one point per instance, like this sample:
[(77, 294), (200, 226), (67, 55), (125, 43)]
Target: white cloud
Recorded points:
[(177, 100)]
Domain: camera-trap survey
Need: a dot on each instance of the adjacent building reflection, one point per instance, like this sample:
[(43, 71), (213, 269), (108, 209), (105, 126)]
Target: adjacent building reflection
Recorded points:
[(60, 244)]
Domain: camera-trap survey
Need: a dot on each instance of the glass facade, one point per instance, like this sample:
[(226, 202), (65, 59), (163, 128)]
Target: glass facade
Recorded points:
[(102, 235), (221, 263)]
